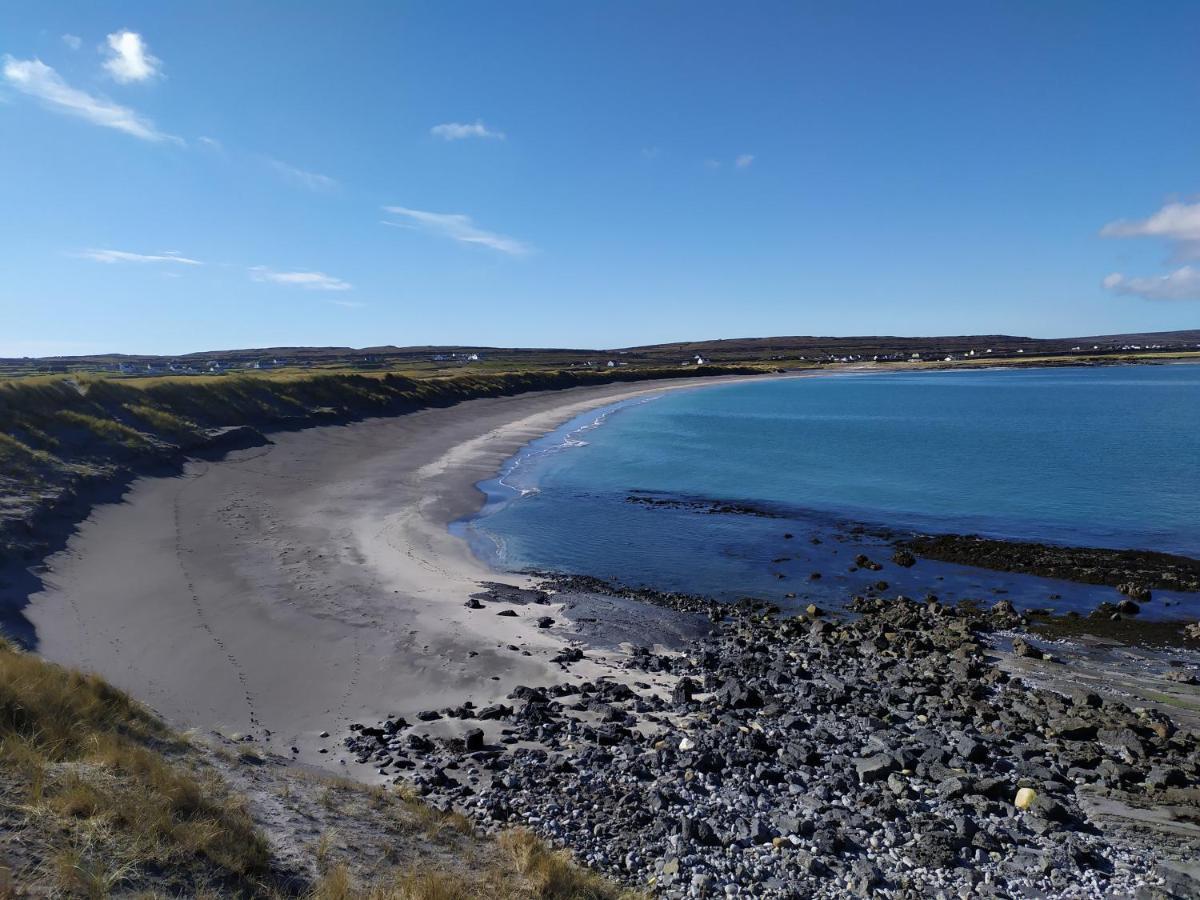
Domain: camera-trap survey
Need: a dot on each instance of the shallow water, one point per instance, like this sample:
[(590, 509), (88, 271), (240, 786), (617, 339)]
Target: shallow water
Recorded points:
[(1084, 456)]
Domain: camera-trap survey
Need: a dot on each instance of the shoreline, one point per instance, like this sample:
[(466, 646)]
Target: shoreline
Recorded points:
[(309, 595), (884, 754), (334, 537), (286, 589)]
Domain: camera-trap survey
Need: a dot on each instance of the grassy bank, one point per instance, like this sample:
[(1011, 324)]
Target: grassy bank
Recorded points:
[(99, 798), (89, 785), (61, 438)]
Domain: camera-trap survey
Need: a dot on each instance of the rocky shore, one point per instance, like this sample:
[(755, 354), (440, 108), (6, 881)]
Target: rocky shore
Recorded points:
[(885, 753)]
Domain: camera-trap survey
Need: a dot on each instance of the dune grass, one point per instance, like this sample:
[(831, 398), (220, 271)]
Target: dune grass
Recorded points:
[(93, 769), (110, 801), (61, 435), (525, 869)]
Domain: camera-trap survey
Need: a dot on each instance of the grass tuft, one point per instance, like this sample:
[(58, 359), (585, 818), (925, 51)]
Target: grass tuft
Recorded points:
[(92, 765)]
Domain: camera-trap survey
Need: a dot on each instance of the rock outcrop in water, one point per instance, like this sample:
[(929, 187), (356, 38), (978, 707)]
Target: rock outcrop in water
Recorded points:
[(1133, 572)]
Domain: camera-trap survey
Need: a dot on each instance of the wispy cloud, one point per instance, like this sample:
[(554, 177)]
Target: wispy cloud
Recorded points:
[(744, 161), (313, 281), (457, 131), (73, 41), (35, 78), (456, 227), (1177, 223), (314, 181), (211, 142), (1182, 284), (348, 304), (129, 60), (712, 164), (120, 256)]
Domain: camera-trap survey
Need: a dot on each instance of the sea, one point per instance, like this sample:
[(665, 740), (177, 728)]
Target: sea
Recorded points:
[(772, 489)]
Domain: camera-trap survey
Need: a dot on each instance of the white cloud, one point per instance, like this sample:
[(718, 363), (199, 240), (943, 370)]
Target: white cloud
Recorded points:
[(1182, 284), (128, 60), (457, 227), (457, 131), (311, 180), (1178, 223), (211, 143), (73, 41), (35, 78), (348, 304), (744, 161), (313, 281), (115, 256), (712, 165)]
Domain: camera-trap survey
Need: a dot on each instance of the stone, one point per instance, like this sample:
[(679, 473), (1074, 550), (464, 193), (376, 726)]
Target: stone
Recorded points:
[(936, 850), (511, 613), (473, 740), (1004, 608), (1025, 798), (1073, 728), (1135, 591), (1021, 647), (875, 768), (734, 694)]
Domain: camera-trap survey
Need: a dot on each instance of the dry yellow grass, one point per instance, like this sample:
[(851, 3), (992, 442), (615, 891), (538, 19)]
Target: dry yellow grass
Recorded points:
[(90, 762), (528, 870), (515, 866), (119, 804)]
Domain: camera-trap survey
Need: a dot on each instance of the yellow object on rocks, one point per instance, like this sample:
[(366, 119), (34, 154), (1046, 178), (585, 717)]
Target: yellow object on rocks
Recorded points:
[(1025, 798)]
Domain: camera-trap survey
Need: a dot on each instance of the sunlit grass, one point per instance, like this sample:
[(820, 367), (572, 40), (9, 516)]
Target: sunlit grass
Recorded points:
[(92, 766)]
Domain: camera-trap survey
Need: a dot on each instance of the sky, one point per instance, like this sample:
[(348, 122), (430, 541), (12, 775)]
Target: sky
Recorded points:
[(182, 177)]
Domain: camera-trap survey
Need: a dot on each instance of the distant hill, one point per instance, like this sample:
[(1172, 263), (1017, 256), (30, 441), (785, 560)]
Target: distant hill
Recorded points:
[(873, 343), (756, 349)]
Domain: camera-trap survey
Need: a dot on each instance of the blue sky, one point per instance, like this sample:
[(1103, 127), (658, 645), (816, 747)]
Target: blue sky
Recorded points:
[(202, 176)]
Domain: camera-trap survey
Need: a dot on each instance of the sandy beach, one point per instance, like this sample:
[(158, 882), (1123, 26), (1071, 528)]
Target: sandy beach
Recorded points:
[(292, 589)]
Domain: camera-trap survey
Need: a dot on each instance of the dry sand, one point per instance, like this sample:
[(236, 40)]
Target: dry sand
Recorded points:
[(296, 588)]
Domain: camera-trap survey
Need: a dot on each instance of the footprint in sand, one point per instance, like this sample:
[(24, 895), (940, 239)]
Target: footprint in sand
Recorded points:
[(203, 619)]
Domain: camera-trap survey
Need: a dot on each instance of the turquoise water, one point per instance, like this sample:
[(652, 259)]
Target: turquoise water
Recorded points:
[(1086, 456)]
